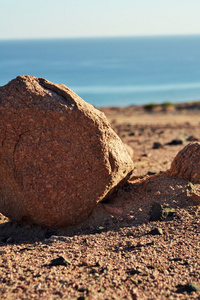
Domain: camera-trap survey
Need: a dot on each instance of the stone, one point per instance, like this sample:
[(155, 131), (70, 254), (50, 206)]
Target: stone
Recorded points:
[(186, 164), (159, 212), (193, 193), (156, 231), (157, 145), (175, 142), (58, 154), (188, 287), (60, 261)]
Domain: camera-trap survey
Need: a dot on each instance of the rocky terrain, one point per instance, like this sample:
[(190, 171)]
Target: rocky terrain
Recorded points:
[(141, 243)]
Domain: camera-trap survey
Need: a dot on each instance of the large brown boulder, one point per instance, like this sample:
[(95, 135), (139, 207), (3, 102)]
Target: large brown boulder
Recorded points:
[(58, 155), (186, 164)]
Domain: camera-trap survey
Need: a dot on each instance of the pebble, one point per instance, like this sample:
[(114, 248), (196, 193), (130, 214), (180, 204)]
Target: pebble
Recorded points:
[(159, 212), (83, 298), (60, 261), (132, 133), (189, 288), (175, 142), (156, 231), (157, 145)]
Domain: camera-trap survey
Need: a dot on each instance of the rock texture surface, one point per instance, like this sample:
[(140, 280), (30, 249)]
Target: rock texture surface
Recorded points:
[(58, 155), (186, 164)]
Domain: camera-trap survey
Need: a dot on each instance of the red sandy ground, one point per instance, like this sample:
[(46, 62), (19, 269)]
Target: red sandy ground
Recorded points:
[(112, 255)]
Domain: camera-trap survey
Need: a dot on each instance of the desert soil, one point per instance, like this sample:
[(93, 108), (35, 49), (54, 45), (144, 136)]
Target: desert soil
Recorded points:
[(119, 253)]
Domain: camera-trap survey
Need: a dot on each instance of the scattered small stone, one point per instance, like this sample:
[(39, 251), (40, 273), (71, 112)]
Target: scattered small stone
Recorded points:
[(193, 193), (136, 282), (159, 212), (98, 264), (151, 267), (29, 248), (98, 229), (147, 154), (83, 289), (60, 261), (103, 271), (156, 231), (192, 138), (62, 281), (45, 246), (175, 142), (85, 241), (83, 298), (181, 260), (139, 244), (191, 186), (132, 133), (177, 259), (101, 290), (55, 238), (189, 288), (84, 263), (150, 244), (101, 228), (136, 271), (149, 173), (157, 145)]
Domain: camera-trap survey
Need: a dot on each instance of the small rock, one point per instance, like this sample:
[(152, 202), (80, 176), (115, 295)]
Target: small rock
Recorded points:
[(147, 154), (159, 212), (177, 259), (149, 173), (101, 290), (60, 261), (85, 241), (157, 145), (192, 138), (62, 281), (189, 288), (193, 193), (156, 231), (136, 271), (181, 260), (84, 263), (175, 142), (98, 264), (83, 289), (132, 133), (151, 267), (29, 248), (186, 164)]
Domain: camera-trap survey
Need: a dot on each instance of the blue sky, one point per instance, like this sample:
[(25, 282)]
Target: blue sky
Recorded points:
[(88, 18)]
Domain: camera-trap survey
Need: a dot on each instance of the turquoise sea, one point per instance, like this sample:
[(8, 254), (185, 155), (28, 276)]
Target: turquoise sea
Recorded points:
[(111, 71)]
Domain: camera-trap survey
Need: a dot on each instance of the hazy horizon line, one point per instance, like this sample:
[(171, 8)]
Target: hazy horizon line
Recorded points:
[(100, 37)]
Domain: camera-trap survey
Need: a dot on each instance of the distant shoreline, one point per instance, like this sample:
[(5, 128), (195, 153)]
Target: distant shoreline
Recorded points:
[(153, 107)]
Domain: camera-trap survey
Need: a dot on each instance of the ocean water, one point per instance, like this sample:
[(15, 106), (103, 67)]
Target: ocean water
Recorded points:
[(111, 71)]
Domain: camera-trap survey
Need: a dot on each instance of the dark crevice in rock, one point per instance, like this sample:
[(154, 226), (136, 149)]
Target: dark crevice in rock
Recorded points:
[(60, 91)]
